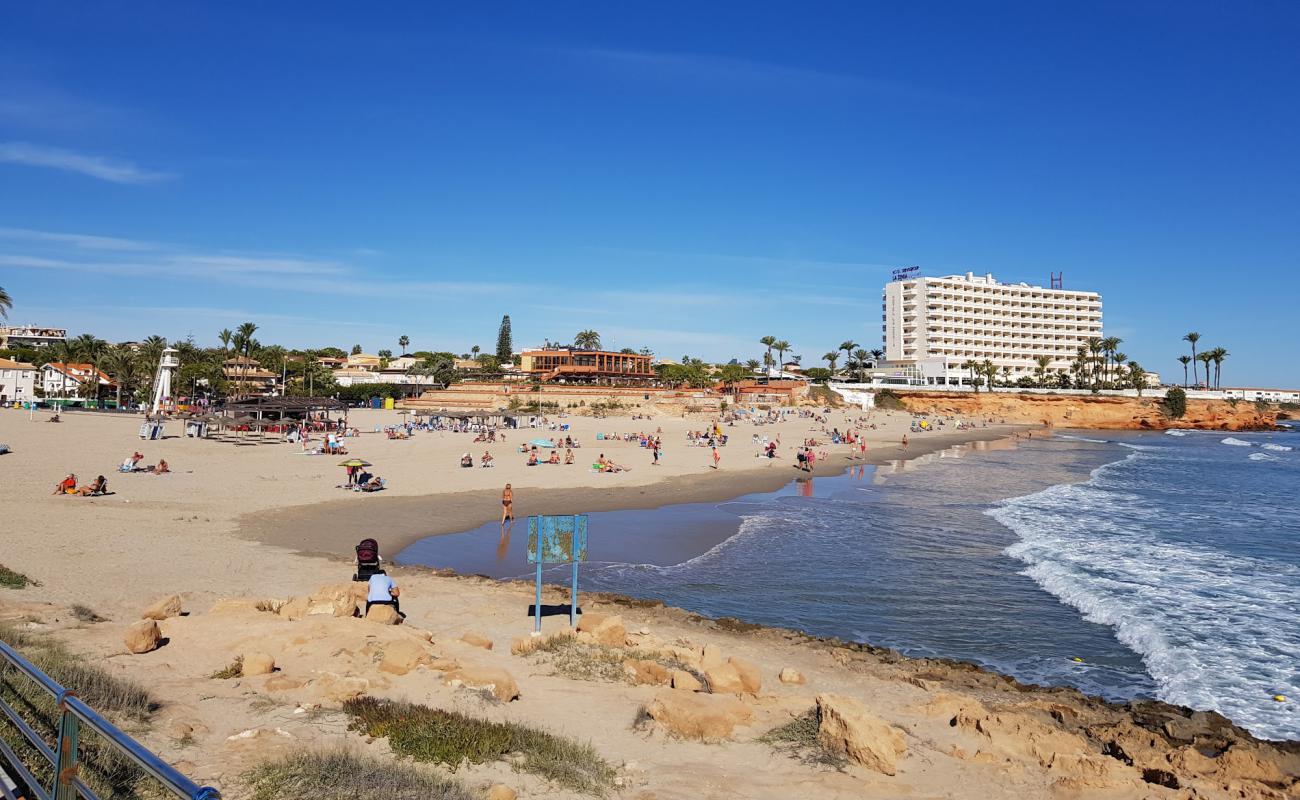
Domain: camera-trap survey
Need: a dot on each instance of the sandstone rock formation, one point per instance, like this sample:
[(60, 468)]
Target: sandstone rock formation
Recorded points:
[(647, 673), (142, 636), (493, 679), (681, 679), (165, 608), (383, 615), (1101, 412), (690, 715), (845, 726), (256, 664), (791, 676), (402, 656), (476, 640)]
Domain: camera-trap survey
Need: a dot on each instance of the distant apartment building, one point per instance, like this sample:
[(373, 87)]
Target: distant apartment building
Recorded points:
[(932, 326), (247, 377), (30, 336), (17, 381), (571, 363), (70, 380)]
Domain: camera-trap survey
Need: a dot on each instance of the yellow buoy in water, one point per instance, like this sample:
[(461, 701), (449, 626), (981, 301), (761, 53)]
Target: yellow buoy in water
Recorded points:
[(1077, 660), (1281, 698)]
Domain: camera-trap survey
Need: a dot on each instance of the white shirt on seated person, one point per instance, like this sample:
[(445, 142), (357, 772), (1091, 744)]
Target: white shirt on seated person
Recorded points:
[(381, 589)]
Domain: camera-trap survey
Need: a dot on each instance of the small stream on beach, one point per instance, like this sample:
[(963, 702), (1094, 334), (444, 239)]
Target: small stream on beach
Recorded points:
[(1020, 556)]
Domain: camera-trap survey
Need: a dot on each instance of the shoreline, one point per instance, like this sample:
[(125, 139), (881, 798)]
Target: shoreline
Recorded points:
[(331, 529)]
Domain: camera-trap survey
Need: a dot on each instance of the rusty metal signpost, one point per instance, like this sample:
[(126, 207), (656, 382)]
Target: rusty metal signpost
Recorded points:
[(558, 539)]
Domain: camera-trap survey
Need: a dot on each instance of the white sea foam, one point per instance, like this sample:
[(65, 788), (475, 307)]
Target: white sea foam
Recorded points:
[(1261, 457), (1081, 438), (1177, 432), (1235, 442), (1280, 448), (1215, 630)]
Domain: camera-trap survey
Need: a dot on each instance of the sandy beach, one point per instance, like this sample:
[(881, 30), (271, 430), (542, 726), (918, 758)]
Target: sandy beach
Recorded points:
[(252, 539)]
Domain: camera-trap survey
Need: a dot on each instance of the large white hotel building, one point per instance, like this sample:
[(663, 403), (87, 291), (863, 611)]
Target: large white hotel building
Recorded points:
[(932, 326)]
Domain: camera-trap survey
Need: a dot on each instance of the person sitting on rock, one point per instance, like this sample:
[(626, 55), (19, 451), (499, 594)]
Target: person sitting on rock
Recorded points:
[(383, 591)]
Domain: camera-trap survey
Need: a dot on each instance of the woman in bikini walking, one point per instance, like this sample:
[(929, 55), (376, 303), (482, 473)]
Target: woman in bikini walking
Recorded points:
[(507, 504)]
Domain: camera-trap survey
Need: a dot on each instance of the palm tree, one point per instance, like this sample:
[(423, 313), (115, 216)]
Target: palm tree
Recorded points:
[(1080, 366), (6, 303), (1006, 375), (769, 342), (780, 347), (245, 333), (1095, 347), (877, 355), (1137, 377), (848, 346), (1184, 360), (1108, 346), (970, 366), (225, 336), (1217, 355), (124, 367), (474, 351), (1119, 359), (1040, 371), (404, 340), (587, 340), (1206, 358), (1192, 338), (861, 357), (753, 364), (831, 358), (990, 372)]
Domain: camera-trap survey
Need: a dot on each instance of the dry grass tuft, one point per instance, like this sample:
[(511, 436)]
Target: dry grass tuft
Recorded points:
[(799, 739), (14, 580), (232, 670), (111, 775), (84, 614), (340, 775), (450, 738)]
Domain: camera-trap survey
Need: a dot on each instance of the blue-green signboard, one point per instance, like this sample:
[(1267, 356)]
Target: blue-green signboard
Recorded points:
[(557, 539)]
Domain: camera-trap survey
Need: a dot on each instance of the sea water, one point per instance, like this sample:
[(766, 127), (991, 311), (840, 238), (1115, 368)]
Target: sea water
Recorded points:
[(1127, 565)]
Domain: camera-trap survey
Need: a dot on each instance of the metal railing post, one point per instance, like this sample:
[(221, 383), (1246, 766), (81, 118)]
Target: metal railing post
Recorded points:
[(65, 767)]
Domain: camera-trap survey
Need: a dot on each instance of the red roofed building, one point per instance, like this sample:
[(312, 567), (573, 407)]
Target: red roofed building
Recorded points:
[(67, 380)]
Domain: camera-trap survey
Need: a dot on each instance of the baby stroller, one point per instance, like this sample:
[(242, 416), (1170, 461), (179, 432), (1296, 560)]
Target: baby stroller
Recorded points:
[(367, 560)]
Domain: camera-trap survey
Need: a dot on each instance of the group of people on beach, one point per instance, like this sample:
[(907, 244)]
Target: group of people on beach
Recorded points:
[(99, 486)]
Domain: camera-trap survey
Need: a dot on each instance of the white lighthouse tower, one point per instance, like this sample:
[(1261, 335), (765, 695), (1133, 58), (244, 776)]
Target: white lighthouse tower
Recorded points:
[(162, 382)]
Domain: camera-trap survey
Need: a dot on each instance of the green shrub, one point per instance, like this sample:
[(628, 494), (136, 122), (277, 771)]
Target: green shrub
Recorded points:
[(14, 580), (232, 670), (799, 738), (1174, 405), (889, 400), (450, 738)]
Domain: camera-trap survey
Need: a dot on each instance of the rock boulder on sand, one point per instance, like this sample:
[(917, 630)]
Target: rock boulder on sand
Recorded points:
[(692, 715), (647, 673), (750, 678), (844, 726), (500, 791), (681, 679), (383, 615), (724, 678), (607, 630), (256, 664), (142, 636), (791, 676), (163, 609), (404, 655)]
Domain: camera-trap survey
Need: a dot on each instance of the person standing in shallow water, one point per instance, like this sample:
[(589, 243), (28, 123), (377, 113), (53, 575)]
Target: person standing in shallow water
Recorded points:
[(507, 504)]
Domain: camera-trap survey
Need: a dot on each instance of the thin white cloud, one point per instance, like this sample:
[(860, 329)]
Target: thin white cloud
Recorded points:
[(105, 169), (79, 240)]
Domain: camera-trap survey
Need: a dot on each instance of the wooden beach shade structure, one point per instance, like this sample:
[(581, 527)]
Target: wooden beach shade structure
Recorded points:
[(262, 413)]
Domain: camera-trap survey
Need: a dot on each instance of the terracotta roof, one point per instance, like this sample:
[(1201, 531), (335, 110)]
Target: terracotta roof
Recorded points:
[(7, 363)]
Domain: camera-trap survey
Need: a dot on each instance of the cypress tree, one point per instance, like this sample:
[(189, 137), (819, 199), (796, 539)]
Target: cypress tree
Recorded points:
[(505, 344)]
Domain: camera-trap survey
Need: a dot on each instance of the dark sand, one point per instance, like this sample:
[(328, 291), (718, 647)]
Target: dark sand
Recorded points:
[(334, 528)]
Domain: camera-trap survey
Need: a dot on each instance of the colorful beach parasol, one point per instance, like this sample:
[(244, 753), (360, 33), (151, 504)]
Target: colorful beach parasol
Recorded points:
[(355, 462)]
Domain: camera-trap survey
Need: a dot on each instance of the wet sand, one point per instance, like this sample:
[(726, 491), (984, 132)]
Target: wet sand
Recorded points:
[(333, 528)]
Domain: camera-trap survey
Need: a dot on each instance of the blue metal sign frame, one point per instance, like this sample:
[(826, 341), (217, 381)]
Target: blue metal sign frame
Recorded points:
[(557, 539)]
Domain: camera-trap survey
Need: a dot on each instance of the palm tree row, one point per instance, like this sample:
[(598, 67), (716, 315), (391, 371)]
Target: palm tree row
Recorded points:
[(1214, 355)]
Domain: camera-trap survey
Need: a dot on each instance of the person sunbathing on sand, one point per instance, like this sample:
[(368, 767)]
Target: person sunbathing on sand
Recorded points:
[(131, 464), (555, 457), (68, 485), (161, 467), (98, 487), (532, 458), (568, 456), (486, 460)]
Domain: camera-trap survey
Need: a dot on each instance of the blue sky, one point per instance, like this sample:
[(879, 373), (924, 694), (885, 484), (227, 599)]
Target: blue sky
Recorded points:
[(688, 177)]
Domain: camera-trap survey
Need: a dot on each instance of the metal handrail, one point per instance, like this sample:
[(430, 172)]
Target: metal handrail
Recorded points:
[(73, 714)]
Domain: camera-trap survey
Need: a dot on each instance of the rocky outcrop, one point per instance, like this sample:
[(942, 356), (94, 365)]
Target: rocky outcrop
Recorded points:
[(256, 664), (494, 680), (383, 615), (165, 608), (142, 637), (1100, 412), (404, 655), (845, 727), (476, 640), (705, 717), (647, 673), (792, 676), (606, 630)]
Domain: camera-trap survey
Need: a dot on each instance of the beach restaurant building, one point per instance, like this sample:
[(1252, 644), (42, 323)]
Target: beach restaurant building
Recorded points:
[(932, 326), (17, 381), (575, 364)]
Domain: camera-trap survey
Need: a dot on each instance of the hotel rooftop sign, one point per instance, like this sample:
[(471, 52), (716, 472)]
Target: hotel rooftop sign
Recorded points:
[(905, 273)]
